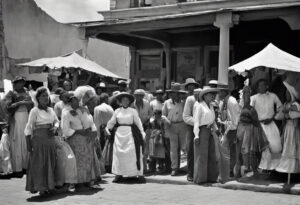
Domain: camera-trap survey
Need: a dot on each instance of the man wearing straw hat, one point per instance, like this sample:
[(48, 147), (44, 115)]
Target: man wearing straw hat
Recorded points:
[(190, 85), (229, 114), (172, 110)]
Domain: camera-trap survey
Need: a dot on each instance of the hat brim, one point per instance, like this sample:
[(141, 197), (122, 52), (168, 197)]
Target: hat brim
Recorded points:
[(122, 95), (210, 90)]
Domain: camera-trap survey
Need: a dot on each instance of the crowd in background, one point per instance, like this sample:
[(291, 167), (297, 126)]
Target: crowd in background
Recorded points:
[(69, 138)]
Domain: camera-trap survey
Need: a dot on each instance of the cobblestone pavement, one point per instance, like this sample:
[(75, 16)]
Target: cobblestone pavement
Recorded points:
[(155, 191)]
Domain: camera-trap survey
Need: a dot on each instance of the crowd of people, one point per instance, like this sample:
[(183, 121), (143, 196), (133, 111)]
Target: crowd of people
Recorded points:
[(70, 138)]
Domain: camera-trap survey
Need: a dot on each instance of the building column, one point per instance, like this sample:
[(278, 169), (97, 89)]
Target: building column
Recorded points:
[(224, 22), (132, 71), (167, 51)]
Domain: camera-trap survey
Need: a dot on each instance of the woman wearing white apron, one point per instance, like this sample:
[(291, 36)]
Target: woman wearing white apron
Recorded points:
[(264, 103), (127, 148), (19, 104)]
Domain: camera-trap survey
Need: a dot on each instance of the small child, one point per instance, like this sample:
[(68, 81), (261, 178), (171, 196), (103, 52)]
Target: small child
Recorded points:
[(5, 163), (156, 143)]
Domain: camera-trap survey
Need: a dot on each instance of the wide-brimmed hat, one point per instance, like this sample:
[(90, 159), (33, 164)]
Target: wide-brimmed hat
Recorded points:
[(101, 85), (125, 94), (197, 91), (207, 89), (122, 82), (190, 81), (18, 79), (139, 92), (175, 87), (213, 83)]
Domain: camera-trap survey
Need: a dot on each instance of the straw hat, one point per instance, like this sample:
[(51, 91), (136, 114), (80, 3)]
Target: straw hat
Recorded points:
[(125, 94), (190, 81), (101, 85), (175, 87), (139, 92), (122, 82), (159, 91), (207, 89), (213, 83), (18, 79)]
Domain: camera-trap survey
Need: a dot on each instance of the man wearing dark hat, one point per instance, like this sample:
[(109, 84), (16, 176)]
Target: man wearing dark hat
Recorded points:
[(122, 85), (229, 114), (176, 132), (187, 115)]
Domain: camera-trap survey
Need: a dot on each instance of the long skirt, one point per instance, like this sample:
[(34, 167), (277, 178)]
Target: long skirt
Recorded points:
[(253, 142), (42, 162), (290, 159), (66, 171), (88, 167), (5, 160), (205, 162), (270, 157), (18, 147), (124, 154)]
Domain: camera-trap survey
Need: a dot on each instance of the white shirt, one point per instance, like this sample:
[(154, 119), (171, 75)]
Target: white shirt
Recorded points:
[(102, 114), (173, 111), (264, 104), (233, 113), (188, 110), (40, 117), (144, 111), (70, 123), (203, 115), (58, 108)]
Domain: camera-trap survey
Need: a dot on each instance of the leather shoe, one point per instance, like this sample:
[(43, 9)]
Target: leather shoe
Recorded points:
[(189, 178), (174, 173)]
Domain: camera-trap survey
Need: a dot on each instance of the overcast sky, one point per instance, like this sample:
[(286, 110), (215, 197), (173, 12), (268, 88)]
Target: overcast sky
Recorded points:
[(68, 11)]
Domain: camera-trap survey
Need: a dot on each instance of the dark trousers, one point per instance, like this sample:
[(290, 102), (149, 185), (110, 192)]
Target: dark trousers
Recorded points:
[(154, 161), (168, 155), (190, 151), (231, 136)]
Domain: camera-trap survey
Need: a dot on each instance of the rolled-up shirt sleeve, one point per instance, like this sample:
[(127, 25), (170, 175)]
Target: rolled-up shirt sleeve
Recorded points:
[(65, 125), (196, 119)]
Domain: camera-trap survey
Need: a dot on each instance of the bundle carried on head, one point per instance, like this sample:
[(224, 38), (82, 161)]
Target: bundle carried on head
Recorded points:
[(84, 93)]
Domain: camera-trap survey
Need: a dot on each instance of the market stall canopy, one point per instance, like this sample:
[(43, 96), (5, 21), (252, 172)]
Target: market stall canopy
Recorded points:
[(72, 60), (271, 57)]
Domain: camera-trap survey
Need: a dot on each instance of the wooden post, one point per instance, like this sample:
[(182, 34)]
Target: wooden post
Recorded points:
[(132, 74), (289, 178), (167, 51)]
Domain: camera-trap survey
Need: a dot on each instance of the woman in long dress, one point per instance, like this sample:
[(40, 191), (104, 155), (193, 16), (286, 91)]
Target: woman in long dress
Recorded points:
[(128, 140), (79, 129), (290, 159), (251, 140), (205, 162), (19, 104), (41, 144)]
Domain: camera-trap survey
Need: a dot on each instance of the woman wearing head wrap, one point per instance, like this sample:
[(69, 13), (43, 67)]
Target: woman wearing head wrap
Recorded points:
[(19, 104), (128, 140), (40, 130), (79, 129)]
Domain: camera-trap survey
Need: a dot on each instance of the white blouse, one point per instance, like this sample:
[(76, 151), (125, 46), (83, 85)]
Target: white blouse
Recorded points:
[(40, 117), (70, 123), (203, 115), (126, 116)]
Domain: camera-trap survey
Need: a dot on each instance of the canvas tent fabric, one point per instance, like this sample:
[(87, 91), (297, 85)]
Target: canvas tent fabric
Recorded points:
[(72, 60), (271, 57)]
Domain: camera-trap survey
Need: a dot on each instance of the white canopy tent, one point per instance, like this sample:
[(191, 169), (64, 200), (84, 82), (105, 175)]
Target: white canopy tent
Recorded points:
[(72, 60), (271, 57)]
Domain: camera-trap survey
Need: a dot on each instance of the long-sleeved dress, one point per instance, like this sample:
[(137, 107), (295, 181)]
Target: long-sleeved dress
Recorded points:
[(290, 158), (124, 151), (42, 160), (88, 167), (17, 122)]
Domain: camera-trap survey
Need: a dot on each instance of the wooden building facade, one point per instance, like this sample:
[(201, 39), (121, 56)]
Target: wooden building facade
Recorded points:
[(198, 39)]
